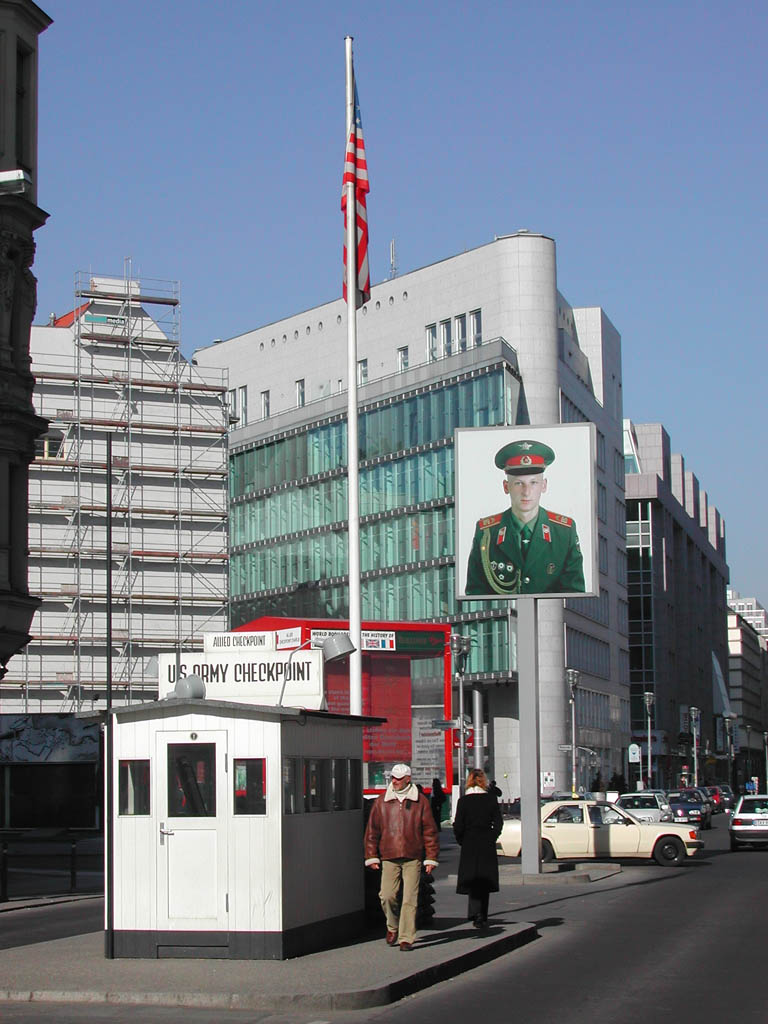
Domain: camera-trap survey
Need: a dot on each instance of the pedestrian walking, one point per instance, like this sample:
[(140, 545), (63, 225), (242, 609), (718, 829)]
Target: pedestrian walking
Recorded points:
[(477, 825), (437, 800), (400, 835)]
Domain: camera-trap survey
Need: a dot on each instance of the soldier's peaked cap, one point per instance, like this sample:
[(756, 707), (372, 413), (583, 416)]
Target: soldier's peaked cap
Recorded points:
[(524, 457)]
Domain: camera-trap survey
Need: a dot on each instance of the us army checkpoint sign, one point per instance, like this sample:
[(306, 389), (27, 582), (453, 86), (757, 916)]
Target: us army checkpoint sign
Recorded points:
[(526, 521), (249, 676)]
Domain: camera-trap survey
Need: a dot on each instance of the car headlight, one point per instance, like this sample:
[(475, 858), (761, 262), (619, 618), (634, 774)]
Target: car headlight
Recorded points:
[(666, 817)]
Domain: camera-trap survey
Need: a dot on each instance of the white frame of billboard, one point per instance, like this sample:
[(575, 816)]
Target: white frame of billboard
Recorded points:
[(479, 494)]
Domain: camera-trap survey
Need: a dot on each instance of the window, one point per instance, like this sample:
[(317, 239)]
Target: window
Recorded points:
[(362, 371), (192, 780), (446, 338), (232, 406), (300, 399), (402, 358), (250, 785), (602, 503), (49, 446), (133, 787), (265, 405), (461, 333), (317, 796), (243, 405), (431, 332), (601, 450), (23, 108), (476, 327)]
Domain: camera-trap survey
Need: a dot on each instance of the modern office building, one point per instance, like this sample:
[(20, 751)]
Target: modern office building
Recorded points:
[(748, 690), (479, 339), (677, 577), (144, 538), (750, 609)]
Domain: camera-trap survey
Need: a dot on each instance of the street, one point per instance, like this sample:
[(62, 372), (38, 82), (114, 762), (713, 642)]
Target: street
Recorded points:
[(686, 943)]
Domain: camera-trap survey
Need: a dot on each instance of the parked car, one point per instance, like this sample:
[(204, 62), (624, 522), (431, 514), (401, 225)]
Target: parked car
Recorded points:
[(729, 797), (646, 806), (693, 802), (581, 829), (684, 810), (749, 822)]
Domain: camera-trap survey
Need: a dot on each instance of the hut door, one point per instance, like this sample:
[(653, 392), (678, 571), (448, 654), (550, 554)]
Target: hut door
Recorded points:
[(191, 804)]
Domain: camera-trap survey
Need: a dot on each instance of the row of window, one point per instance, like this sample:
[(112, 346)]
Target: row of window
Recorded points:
[(410, 422), (417, 537), (426, 476), (450, 335), (587, 653), (593, 709), (309, 784)]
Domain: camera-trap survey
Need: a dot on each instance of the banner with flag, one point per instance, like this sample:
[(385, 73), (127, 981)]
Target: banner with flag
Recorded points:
[(356, 173)]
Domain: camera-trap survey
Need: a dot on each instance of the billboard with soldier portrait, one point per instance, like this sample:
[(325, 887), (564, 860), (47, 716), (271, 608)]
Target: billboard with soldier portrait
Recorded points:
[(525, 512)]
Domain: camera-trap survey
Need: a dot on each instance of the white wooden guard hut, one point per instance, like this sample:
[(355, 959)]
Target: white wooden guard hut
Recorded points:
[(238, 830)]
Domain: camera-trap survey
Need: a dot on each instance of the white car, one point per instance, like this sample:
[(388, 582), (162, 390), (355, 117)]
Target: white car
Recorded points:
[(580, 829), (646, 806)]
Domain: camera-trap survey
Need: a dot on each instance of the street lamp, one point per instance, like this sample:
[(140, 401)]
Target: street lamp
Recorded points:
[(728, 723), (649, 698), (748, 730), (460, 648), (695, 714), (765, 747), (334, 647), (572, 677)]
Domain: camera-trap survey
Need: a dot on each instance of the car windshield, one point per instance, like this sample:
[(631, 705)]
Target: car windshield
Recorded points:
[(754, 805), (692, 795), (638, 803)]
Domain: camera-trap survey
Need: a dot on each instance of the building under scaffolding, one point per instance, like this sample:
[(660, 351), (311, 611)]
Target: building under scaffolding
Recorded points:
[(113, 366)]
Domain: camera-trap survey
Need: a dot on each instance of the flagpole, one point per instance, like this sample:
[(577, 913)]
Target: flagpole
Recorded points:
[(353, 476)]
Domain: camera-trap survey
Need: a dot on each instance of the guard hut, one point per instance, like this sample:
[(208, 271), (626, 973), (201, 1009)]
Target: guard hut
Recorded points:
[(237, 826)]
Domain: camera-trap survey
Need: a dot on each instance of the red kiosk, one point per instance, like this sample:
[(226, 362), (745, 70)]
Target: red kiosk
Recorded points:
[(389, 651)]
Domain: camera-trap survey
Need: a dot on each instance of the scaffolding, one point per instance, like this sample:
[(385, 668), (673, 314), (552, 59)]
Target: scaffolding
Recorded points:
[(113, 366)]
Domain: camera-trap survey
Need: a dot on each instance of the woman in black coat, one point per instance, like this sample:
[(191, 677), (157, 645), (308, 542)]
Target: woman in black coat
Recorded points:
[(477, 826)]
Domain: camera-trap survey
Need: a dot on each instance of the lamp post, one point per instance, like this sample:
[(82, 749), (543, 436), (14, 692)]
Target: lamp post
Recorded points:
[(695, 714), (572, 677), (748, 761), (460, 647), (765, 749), (728, 723), (334, 647), (649, 698)]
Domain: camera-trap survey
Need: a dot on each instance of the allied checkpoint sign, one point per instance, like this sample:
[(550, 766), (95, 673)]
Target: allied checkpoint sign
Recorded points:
[(249, 675), (526, 516)]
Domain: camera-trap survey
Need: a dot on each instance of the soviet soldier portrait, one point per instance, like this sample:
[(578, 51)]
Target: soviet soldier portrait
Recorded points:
[(526, 549)]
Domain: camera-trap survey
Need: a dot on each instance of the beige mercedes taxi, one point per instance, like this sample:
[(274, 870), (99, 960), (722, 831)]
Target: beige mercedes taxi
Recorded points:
[(580, 829)]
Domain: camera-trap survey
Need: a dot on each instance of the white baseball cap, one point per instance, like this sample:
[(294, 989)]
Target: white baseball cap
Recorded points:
[(400, 771)]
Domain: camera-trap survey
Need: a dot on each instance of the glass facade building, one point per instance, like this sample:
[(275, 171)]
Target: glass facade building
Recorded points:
[(288, 508)]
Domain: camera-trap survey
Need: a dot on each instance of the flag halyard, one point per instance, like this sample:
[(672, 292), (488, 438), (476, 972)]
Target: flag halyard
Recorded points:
[(356, 174)]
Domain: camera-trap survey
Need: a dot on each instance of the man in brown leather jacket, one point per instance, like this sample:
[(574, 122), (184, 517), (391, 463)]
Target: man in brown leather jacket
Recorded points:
[(401, 832)]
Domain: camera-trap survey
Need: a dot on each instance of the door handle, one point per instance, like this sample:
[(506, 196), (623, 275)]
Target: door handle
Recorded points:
[(164, 832)]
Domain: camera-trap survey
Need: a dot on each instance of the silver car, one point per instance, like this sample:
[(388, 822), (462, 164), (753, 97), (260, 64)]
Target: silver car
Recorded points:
[(749, 822), (646, 806)]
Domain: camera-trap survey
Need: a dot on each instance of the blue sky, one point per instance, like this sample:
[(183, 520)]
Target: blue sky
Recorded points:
[(205, 142)]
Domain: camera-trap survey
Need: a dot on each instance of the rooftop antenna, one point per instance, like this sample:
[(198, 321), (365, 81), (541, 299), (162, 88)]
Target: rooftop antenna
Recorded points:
[(392, 260)]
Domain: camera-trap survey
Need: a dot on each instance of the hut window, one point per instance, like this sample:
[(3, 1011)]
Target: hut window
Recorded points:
[(250, 781), (133, 787)]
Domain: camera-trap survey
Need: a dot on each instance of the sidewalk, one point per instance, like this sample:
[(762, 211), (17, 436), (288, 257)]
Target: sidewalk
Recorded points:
[(368, 973)]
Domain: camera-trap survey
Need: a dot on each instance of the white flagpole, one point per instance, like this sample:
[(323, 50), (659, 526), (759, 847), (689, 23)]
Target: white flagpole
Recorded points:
[(353, 482)]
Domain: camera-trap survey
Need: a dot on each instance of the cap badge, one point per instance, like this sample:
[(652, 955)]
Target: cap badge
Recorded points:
[(525, 445), (525, 460)]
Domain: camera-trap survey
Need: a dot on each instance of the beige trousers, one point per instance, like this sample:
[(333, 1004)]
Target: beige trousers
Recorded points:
[(392, 871)]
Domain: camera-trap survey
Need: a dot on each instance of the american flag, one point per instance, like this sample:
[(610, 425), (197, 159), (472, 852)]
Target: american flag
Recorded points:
[(356, 172)]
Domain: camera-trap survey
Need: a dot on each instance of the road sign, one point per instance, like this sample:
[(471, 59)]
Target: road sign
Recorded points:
[(469, 738), (564, 746), (633, 753), (445, 724)]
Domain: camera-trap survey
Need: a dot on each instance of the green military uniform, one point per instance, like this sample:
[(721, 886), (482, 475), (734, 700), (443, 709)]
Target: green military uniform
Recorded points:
[(503, 561), (511, 557)]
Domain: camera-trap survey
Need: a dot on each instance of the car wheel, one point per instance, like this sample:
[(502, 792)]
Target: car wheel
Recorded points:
[(547, 853), (734, 845), (669, 851)]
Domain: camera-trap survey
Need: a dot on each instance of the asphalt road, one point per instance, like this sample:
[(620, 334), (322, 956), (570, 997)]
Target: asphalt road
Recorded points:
[(677, 944)]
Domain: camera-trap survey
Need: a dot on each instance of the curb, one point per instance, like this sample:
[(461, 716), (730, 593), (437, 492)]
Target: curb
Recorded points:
[(380, 995)]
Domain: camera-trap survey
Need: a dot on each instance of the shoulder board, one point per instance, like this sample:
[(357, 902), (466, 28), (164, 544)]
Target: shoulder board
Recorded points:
[(483, 524), (555, 517)]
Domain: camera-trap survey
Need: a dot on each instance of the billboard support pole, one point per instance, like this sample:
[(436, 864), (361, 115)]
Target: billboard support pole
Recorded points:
[(528, 716)]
